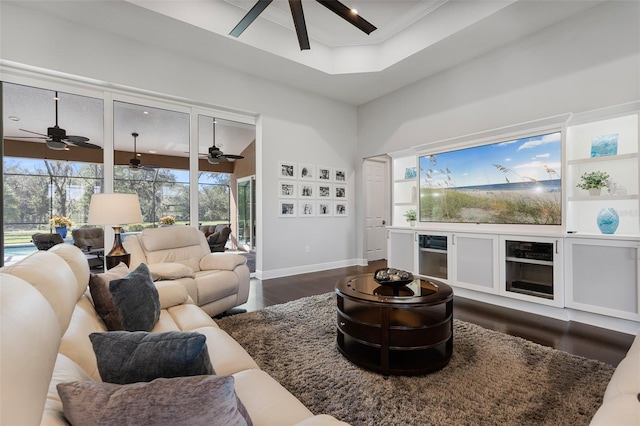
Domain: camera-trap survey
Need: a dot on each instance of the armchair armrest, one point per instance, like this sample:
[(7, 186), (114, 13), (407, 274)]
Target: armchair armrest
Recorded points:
[(221, 261), (170, 271)]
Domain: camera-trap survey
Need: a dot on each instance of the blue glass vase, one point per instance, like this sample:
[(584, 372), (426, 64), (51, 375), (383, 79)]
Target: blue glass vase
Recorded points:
[(62, 231), (608, 220)]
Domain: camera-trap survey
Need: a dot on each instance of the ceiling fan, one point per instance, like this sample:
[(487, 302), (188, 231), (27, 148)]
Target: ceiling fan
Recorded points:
[(135, 163), (216, 156), (57, 138), (350, 15)]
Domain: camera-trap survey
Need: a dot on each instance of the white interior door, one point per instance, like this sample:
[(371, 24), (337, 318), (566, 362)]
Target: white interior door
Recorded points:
[(376, 200)]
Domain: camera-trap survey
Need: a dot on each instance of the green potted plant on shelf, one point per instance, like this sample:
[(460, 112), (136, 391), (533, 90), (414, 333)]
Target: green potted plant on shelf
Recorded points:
[(594, 181), (411, 216)]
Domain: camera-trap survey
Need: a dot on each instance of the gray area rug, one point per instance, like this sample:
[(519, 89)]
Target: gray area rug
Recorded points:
[(492, 378)]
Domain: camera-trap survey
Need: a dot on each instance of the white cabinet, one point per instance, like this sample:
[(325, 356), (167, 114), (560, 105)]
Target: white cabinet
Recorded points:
[(401, 249), (602, 276), (610, 146), (405, 188), (532, 269), (474, 263)]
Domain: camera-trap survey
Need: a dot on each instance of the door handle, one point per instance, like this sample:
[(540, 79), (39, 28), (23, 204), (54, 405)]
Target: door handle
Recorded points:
[(384, 222)]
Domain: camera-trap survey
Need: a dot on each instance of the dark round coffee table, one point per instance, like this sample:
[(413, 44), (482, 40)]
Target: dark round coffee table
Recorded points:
[(404, 330)]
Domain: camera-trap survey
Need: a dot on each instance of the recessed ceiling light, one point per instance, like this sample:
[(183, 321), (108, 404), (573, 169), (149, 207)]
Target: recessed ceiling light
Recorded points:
[(138, 154), (145, 112), (152, 151), (14, 118)]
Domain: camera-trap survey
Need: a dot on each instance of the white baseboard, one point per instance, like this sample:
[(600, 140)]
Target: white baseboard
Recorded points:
[(285, 272)]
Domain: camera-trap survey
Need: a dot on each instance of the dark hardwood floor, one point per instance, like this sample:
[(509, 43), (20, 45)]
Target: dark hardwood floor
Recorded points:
[(576, 338)]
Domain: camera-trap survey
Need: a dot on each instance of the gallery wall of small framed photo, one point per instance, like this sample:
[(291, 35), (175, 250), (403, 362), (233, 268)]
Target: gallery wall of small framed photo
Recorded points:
[(324, 190), (340, 208), (307, 190), (324, 174), (307, 172), (288, 170), (340, 192), (288, 189), (324, 208), (288, 208), (306, 208)]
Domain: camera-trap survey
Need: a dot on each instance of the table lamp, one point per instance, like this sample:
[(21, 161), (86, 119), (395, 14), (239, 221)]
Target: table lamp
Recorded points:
[(116, 210)]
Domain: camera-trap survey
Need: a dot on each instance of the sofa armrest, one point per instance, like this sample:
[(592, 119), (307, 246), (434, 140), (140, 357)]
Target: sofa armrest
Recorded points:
[(171, 293), (170, 271), (221, 261)]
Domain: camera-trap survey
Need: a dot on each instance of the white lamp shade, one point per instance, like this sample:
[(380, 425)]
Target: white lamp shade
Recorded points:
[(114, 209)]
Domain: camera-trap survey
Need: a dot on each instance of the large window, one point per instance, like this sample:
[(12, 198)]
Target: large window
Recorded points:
[(58, 151), (152, 146), (36, 190)]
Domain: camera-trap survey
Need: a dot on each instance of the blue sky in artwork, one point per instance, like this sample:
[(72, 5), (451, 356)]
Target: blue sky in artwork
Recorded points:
[(521, 160)]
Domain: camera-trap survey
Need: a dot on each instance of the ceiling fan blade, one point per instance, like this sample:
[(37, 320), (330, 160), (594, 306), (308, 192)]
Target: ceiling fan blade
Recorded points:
[(300, 24), (77, 141), (345, 13), (233, 157), (29, 131), (250, 17), (26, 137)]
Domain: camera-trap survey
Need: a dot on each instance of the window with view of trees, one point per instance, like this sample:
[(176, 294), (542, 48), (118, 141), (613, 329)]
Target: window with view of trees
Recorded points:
[(36, 190)]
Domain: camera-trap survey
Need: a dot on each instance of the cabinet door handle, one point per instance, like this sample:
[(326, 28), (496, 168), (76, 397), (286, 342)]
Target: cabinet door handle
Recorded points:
[(557, 248), (453, 239)]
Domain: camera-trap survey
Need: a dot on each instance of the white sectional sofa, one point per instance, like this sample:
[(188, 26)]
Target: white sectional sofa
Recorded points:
[(621, 401), (216, 282), (47, 316)]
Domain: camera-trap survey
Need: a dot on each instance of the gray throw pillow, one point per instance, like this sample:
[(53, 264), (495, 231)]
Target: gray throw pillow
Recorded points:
[(137, 300), (128, 357), (102, 298), (192, 401)]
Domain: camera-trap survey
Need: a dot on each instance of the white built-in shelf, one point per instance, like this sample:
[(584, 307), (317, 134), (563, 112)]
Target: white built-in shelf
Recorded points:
[(604, 198), (531, 261), (432, 250), (412, 180), (602, 159)]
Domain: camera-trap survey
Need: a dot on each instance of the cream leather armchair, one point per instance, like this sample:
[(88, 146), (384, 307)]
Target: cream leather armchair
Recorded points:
[(216, 282)]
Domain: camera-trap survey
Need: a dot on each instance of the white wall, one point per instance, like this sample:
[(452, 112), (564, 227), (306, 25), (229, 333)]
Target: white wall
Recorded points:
[(587, 62), (293, 125)]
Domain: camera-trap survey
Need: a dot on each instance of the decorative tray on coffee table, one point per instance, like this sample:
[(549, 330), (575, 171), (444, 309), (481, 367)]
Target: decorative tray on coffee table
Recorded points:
[(392, 277)]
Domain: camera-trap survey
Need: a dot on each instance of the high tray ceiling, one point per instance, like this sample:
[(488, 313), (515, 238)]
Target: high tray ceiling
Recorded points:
[(414, 39)]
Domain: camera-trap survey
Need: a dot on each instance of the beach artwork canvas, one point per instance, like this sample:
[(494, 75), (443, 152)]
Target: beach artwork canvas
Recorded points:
[(604, 145), (510, 182)]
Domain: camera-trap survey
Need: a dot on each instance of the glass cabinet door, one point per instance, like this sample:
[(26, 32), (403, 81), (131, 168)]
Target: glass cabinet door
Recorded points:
[(432, 258)]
